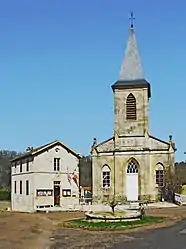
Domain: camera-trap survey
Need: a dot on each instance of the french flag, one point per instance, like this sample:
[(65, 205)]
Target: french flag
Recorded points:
[(69, 178)]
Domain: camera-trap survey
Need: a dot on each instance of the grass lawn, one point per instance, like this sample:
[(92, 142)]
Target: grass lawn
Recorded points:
[(102, 225)]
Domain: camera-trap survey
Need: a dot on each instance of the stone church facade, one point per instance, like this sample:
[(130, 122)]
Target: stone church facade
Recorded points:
[(131, 164)]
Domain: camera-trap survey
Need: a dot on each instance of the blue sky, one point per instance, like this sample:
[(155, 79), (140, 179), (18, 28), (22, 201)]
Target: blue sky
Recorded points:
[(58, 60)]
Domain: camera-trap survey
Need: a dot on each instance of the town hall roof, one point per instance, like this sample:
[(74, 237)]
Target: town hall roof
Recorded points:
[(41, 149)]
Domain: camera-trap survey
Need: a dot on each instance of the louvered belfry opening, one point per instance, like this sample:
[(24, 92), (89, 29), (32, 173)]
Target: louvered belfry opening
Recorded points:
[(131, 107)]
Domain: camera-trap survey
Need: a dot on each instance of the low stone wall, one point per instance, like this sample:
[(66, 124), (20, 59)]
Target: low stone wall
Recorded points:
[(130, 215), (107, 208)]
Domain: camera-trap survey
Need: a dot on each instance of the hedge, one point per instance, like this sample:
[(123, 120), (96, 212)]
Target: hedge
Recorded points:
[(5, 194)]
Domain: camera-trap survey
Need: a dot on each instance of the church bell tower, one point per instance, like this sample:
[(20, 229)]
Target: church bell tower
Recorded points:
[(131, 93)]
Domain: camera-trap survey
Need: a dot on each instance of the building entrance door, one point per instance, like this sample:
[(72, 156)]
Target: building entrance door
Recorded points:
[(56, 195), (132, 181)]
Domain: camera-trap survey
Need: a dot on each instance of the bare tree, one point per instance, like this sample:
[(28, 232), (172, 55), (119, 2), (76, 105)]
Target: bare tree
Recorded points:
[(172, 184)]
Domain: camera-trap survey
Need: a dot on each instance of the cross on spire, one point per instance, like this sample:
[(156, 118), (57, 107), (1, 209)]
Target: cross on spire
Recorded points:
[(132, 18)]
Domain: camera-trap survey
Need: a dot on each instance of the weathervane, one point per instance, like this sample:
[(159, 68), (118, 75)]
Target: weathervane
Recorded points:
[(132, 18)]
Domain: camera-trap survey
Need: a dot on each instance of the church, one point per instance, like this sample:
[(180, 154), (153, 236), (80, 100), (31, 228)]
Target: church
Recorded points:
[(130, 166)]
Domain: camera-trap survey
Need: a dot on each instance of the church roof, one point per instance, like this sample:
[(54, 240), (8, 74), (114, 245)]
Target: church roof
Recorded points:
[(152, 144), (131, 72), (131, 68)]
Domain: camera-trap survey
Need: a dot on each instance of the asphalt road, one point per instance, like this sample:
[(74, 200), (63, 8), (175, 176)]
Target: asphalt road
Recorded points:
[(173, 237), (165, 238)]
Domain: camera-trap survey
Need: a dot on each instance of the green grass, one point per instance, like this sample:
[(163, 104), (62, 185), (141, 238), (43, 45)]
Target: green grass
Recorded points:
[(102, 225)]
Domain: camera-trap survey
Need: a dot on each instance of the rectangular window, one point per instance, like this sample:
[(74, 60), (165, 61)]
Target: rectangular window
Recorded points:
[(20, 188), (27, 187), (27, 165), (21, 168), (15, 187), (56, 164), (44, 192), (160, 177), (106, 179), (57, 182), (66, 192)]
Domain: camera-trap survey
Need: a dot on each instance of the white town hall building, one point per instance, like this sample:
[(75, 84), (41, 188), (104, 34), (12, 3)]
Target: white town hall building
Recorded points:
[(45, 177)]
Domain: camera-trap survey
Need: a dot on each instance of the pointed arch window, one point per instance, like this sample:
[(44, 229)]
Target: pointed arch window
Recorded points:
[(131, 107), (106, 176), (132, 167), (160, 175)]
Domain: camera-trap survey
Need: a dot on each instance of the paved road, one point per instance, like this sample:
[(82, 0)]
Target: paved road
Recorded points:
[(165, 238)]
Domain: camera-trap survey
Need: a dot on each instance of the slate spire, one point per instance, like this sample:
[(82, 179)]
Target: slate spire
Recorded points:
[(131, 68)]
